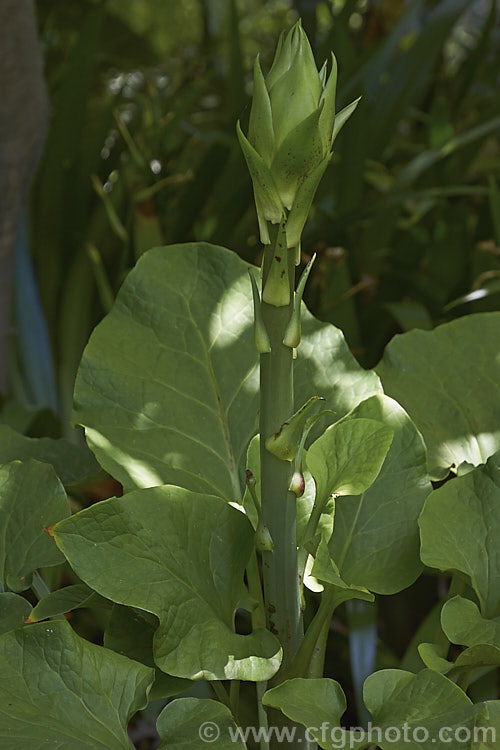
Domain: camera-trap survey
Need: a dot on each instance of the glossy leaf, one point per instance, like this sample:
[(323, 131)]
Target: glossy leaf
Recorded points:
[(197, 723), (31, 499), (58, 690), (180, 556), (448, 380)]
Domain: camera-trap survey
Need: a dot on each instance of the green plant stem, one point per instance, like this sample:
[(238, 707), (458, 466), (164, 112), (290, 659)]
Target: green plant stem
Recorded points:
[(261, 688), (315, 637), (317, 661), (281, 583), (220, 692), (234, 697), (39, 586), (255, 590)]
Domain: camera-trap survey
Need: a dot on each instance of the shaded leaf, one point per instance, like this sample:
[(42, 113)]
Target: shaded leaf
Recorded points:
[(31, 499), (460, 531), (14, 610), (64, 600), (180, 556), (58, 690), (72, 463)]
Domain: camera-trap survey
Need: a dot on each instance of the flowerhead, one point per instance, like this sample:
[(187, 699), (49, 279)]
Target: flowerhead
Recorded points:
[(291, 132)]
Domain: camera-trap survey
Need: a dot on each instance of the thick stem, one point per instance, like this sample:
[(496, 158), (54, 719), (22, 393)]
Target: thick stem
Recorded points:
[(281, 582)]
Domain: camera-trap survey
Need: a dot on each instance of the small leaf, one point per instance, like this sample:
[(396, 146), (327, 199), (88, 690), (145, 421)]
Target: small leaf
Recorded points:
[(348, 457), (284, 443), (31, 499), (64, 600)]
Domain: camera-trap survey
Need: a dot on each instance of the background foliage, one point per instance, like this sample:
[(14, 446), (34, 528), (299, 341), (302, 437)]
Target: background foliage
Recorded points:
[(142, 152)]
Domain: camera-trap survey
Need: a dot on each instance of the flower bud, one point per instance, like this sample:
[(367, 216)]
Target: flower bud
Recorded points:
[(291, 132)]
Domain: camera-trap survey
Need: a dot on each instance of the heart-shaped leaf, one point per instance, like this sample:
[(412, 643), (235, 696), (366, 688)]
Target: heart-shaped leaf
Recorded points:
[(59, 691), (181, 556), (168, 384), (448, 380), (31, 499)]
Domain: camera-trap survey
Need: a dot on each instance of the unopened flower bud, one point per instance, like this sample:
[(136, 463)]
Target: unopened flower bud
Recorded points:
[(291, 132)]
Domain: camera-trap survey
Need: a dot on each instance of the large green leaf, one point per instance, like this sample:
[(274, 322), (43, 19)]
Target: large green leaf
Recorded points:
[(181, 556), (448, 380), (59, 691), (375, 543), (31, 499), (197, 723), (72, 463), (168, 384), (460, 531)]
